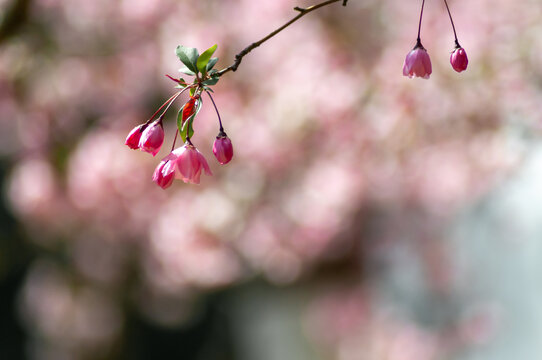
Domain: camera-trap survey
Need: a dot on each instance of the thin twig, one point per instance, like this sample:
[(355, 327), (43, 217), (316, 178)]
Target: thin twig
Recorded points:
[(248, 49)]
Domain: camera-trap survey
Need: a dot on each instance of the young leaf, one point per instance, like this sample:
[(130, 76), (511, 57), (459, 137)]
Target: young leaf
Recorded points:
[(211, 81), (187, 71), (204, 58), (182, 84), (189, 108), (212, 62), (188, 56), (180, 120), (186, 127)]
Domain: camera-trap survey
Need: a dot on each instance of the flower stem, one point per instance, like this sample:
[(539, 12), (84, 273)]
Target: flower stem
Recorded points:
[(453, 26), (167, 103), (174, 140), (217, 113), (418, 40)]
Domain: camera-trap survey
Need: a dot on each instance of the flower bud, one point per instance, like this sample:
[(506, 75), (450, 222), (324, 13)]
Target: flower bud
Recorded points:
[(417, 63), (459, 59), (161, 177), (223, 149), (132, 140), (152, 138)]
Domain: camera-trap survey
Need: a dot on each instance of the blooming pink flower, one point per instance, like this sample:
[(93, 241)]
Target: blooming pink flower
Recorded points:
[(417, 63), (132, 140), (162, 176), (459, 59), (222, 148), (152, 138), (188, 161)]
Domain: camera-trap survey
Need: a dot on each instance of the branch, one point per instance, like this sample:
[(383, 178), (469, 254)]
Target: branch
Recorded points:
[(248, 49)]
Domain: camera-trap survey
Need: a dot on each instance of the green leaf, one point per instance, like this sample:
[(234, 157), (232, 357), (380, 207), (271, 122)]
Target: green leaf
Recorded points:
[(211, 81), (212, 62), (187, 71), (192, 91), (204, 58), (187, 125), (182, 84), (180, 121), (188, 56)]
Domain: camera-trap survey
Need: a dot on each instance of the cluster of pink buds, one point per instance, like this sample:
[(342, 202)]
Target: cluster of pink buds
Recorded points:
[(185, 162), (417, 62)]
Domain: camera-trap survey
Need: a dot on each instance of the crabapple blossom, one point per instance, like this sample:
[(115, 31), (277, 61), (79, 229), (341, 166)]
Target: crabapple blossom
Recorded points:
[(132, 140), (459, 59), (222, 148), (162, 178), (188, 161), (417, 63), (152, 138)]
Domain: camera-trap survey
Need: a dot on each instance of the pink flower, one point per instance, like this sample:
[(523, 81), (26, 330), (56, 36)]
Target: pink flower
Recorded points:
[(188, 161), (132, 140), (162, 176), (152, 138), (417, 63), (459, 59), (222, 148)]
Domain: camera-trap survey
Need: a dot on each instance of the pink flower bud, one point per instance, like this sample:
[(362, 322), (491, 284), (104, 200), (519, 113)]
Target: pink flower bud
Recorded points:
[(162, 177), (222, 148), (132, 140), (152, 138), (417, 63), (459, 59), (190, 162)]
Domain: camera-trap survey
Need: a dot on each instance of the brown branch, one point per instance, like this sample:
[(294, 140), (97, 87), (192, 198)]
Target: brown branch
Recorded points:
[(248, 49)]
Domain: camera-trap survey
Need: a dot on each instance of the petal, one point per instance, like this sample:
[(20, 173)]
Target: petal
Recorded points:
[(187, 164), (204, 164)]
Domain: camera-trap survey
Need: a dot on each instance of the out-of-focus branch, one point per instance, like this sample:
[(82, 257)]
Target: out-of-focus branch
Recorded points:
[(248, 49)]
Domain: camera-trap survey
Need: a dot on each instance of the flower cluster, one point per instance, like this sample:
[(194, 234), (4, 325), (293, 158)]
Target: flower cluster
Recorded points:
[(185, 162), (417, 62)]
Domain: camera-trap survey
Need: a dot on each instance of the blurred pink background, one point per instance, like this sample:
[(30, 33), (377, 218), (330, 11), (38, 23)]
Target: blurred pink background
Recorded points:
[(365, 215)]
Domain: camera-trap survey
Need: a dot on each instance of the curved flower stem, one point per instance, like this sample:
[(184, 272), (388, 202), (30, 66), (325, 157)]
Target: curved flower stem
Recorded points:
[(418, 40), (170, 103), (453, 26), (167, 103), (217, 113), (248, 49), (174, 140)]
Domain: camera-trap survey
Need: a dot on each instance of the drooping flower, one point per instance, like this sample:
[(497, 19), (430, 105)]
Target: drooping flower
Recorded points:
[(189, 162), (132, 140), (222, 148), (162, 177), (152, 138), (417, 63), (459, 59)]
